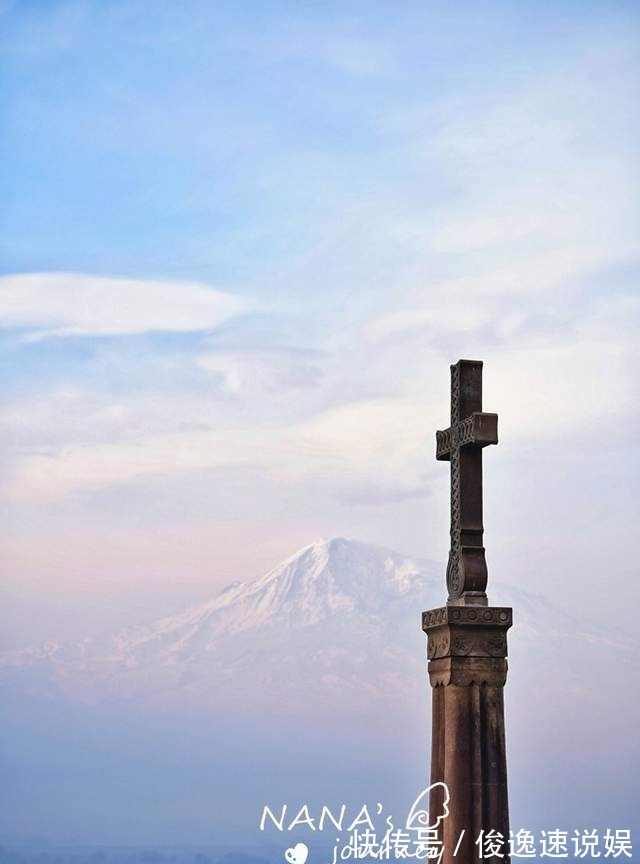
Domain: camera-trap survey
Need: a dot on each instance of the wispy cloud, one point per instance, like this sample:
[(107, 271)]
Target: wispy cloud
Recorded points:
[(338, 448), (256, 372), (346, 450), (75, 304)]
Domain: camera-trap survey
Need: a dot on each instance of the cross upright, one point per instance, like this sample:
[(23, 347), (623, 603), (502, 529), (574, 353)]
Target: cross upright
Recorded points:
[(467, 649), (461, 444)]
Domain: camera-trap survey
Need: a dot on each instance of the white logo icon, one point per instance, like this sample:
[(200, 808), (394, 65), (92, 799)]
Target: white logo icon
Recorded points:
[(297, 854), (418, 817)]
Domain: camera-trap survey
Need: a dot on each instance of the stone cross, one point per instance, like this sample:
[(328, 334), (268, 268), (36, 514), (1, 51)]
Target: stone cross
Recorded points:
[(471, 429), (467, 649)]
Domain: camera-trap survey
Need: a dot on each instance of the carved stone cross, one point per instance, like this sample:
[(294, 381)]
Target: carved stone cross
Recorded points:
[(471, 429), (467, 648)]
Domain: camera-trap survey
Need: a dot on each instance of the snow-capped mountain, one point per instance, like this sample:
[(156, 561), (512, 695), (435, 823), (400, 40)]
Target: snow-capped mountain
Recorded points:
[(313, 604), (337, 620), (309, 680)]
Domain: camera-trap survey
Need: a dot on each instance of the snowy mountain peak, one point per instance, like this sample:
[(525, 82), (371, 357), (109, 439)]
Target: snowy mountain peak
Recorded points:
[(326, 581), (337, 617), (322, 578)]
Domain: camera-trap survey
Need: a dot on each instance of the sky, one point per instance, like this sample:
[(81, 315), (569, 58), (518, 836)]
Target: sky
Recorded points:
[(241, 243)]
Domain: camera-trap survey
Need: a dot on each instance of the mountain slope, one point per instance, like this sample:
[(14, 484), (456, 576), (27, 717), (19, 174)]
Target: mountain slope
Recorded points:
[(338, 621)]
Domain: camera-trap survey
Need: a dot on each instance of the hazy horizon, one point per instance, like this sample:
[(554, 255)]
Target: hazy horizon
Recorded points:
[(308, 686)]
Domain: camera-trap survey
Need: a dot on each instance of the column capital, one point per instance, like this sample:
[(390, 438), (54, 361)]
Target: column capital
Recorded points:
[(462, 634)]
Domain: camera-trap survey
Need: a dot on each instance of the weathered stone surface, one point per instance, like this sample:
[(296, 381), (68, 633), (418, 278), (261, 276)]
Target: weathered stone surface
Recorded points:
[(467, 645), (469, 755), (461, 444), (454, 631)]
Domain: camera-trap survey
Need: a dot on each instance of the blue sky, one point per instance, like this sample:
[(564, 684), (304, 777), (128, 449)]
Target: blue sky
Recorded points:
[(241, 243)]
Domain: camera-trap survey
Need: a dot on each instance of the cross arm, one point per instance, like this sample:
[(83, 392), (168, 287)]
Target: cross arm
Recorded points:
[(478, 430)]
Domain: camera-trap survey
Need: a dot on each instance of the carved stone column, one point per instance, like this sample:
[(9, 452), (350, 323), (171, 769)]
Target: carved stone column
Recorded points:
[(467, 651)]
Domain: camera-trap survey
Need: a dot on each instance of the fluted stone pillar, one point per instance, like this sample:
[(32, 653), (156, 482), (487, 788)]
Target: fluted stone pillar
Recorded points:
[(467, 651)]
